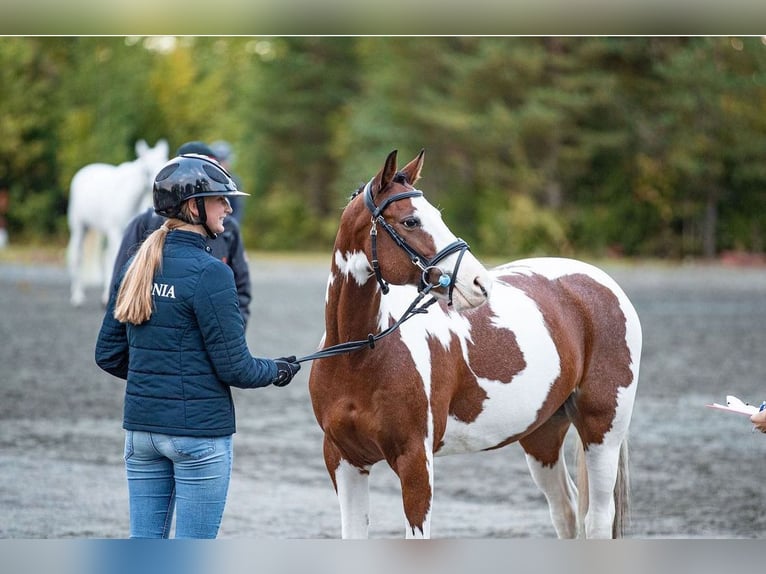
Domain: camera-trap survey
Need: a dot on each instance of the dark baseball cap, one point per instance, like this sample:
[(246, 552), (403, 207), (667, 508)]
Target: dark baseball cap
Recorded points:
[(198, 147)]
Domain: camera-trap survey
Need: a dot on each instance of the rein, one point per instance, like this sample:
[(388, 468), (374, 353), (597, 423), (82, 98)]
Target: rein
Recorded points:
[(371, 339), (416, 258)]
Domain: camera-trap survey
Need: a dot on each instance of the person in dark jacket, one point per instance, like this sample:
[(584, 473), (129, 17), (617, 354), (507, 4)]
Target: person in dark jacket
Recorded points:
[(227, 247), (173, 330), (225, 156)]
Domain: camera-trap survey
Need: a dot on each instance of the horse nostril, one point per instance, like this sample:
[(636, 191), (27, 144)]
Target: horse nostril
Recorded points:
[(481, 287)]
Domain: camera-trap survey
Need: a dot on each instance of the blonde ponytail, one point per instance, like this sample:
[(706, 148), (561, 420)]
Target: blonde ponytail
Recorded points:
[(134, 299)]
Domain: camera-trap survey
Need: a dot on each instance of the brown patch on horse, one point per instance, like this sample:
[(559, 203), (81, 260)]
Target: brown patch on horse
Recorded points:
[(588, 327), (544, 443), (369, 424), (488, 360), (455, 389), (607, 363)]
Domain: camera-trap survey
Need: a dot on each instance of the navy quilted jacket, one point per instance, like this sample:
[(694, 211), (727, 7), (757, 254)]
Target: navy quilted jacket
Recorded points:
[(181, 363)]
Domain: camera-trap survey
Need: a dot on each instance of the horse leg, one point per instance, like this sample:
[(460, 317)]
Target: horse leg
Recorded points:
[(74, 260), (415, 471), (606, 467), (604, 438), (352, 485), (545, 459)]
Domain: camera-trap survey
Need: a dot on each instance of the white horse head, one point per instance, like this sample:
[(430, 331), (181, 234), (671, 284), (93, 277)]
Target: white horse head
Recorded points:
[(104, 197)]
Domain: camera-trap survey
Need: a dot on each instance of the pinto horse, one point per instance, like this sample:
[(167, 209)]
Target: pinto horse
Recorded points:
[(105, 197), (514, 354)]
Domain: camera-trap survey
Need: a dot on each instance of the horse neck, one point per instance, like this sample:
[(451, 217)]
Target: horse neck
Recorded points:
[(352, 310)]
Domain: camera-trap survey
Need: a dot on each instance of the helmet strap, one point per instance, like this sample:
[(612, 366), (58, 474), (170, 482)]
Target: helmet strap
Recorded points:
[(200, 201)]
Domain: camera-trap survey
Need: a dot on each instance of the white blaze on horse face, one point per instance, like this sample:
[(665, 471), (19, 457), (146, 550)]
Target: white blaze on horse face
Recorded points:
[(473, 282)]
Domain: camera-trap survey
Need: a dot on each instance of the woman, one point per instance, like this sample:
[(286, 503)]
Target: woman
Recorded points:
[(173, 330)]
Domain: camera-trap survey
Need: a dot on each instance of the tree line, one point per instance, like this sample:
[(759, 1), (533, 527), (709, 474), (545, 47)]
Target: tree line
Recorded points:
[(630, 146)]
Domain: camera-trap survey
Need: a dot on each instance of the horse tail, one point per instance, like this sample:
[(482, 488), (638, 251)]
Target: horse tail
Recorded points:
[(621, 493), (621, 490), (582, 486)]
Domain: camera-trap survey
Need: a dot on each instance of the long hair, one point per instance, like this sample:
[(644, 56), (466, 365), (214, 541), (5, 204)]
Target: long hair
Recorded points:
[(134, 298)]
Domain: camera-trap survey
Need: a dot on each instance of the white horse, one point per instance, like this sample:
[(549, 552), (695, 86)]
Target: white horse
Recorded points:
[(104, 197)]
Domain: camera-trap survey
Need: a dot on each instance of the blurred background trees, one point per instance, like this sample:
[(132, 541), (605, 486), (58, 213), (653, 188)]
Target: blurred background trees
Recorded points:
[(630, 146)]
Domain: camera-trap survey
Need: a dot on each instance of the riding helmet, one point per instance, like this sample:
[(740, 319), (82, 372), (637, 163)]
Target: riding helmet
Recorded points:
[(188, 176)]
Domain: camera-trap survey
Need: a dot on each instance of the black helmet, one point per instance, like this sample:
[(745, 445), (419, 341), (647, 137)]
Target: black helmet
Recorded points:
[(187, 176)]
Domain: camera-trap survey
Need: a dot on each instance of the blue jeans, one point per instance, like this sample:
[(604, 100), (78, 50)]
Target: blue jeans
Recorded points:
[(190, 474)]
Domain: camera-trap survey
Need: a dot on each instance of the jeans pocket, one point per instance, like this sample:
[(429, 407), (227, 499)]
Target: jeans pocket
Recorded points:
[(128, 445), (193, 447)]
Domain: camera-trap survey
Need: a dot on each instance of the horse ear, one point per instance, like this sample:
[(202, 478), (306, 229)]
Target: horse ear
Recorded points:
[(412, 169), (388, 171), (141, 147), (386, 174)]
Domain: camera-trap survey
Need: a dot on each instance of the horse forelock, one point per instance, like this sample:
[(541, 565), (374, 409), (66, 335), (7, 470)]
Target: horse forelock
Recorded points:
[(401, 178)]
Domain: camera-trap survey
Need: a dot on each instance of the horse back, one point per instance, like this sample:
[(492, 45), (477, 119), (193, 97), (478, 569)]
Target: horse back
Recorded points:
[(105, 195)]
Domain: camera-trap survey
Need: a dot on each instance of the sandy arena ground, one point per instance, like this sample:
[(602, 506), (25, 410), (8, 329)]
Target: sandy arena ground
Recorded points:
[(695, 472)]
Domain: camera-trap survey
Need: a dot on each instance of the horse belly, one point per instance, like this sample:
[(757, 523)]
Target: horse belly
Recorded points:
[(506, 416)]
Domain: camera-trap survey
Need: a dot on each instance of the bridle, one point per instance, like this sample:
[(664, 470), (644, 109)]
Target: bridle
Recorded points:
[(423, 263)]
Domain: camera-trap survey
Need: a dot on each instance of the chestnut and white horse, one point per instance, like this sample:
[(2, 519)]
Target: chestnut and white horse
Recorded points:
[(514, 354), (104, 197)]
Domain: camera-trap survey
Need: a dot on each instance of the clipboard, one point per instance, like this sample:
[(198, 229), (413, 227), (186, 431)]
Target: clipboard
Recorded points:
[(738, 406)]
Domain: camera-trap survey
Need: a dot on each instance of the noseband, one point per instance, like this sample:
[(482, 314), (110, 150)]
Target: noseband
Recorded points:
[(423, 263)]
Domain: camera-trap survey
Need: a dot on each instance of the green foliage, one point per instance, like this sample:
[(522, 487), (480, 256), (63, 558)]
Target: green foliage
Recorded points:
[(283, 221), (523, 228), (634, 146)]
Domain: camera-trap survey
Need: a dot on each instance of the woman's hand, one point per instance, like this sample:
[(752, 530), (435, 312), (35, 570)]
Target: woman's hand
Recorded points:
[(759, 420)]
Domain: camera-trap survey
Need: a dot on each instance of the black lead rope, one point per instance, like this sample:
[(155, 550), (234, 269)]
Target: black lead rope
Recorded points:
[(351, 346)]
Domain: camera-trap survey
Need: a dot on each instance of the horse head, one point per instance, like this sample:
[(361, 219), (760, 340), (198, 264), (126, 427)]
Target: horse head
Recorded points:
[(408, 242), (151, 159)]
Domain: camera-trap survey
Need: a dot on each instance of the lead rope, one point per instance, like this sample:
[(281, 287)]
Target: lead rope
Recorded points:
[(350, 346)]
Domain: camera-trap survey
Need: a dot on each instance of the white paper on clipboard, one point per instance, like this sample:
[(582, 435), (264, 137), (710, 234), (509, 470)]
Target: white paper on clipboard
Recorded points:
[(735, 405)]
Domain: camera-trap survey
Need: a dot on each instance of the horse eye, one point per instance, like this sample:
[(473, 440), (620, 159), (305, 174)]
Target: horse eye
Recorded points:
[(411, 222)]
